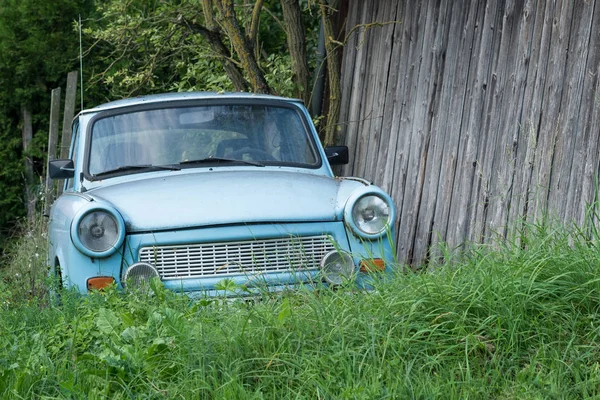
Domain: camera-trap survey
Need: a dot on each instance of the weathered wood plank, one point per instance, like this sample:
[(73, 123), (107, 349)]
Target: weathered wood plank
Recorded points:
[(506, 162), (378, 138), (442, 71), (68, 114), (419, 125), (450, 119), (551, 117), (590, 124), (393, 104), (52, 145), (572, 138), (481, 193), (534, 112), (499, 164), (533, 61), (406, 93), (460, 209)]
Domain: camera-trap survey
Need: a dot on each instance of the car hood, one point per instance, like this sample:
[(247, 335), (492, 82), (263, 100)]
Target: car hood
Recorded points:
[(178, 201)]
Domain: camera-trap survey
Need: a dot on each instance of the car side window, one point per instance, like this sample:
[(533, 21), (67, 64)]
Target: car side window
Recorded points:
[(74, 144)]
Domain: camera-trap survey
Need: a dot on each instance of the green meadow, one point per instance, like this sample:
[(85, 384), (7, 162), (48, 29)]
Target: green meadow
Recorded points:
[(517, 320)]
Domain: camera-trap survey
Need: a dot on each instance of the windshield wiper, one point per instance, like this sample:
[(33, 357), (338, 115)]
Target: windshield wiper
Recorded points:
[(217, 160), (125, 168)]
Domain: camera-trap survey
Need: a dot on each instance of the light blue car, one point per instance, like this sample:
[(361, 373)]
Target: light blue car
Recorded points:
[(202, 189)]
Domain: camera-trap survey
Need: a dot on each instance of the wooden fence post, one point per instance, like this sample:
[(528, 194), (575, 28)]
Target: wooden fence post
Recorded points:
[(30, 195), (52, 145), (69, 112)]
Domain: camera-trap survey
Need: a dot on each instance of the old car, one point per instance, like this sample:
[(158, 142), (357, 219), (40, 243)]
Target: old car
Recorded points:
[(201, 188)]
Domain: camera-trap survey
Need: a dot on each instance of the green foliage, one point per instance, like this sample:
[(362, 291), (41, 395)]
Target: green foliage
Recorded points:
[(11, 177), (146, 52), (279, 74), (150, 52), (201, 73), (37, 50), (137, 40), (516, 321)]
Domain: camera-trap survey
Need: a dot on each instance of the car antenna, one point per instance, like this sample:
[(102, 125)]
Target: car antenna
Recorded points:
[(80, 63), (81, 87)]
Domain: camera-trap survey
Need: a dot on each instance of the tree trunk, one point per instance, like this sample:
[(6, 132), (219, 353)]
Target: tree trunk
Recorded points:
[(333, 72), (52, 146), (294, 27), (241, 46)]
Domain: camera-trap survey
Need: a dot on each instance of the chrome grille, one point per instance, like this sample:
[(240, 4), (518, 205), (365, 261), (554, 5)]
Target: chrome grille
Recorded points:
[(234, 258)]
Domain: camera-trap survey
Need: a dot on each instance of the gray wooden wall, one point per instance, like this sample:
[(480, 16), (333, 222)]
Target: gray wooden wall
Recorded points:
[(473, 114)]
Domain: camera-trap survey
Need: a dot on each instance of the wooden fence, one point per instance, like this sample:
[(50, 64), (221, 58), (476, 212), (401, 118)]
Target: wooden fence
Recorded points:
[(59, 146), (474, 115)]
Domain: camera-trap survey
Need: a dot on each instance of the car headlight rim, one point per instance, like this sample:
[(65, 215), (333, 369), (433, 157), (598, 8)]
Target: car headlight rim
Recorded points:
[(139, 274), (370, 215), (338, 277), (98, 231)]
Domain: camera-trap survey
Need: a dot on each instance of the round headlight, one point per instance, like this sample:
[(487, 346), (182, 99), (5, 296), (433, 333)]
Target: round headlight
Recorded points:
[(139, 275), (371, 214), (98, 231), (337, 266)]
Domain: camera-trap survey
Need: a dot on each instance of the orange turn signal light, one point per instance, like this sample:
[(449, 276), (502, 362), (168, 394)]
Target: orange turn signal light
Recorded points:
[(372, 265), (100, 282)]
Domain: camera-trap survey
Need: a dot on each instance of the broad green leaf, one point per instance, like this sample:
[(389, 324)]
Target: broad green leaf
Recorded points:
[(107, 322)]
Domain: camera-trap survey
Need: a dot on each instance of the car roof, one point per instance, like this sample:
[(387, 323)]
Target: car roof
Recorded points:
[(182, 96)]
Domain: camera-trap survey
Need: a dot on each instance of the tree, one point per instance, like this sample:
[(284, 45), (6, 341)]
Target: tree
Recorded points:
[(333, 72), (260, 46)]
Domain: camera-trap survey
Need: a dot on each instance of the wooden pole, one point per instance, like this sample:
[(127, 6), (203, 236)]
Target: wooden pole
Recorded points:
[(52, 145), (30, 197), (69, 112)]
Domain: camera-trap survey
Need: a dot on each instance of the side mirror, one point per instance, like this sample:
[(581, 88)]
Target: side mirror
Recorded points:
[(61, 169), (337, 155)]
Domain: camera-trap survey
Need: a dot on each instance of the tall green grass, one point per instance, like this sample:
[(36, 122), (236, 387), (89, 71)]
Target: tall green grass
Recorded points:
[(516, 320)]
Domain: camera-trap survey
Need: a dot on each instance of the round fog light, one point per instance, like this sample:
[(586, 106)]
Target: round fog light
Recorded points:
[(337, 266), (138, 275)]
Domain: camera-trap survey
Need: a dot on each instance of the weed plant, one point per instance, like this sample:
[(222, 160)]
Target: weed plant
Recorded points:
[(519, 320), (23, 272)]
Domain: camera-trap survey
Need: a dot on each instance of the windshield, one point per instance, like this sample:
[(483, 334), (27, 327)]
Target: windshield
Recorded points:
[(191, 136)]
